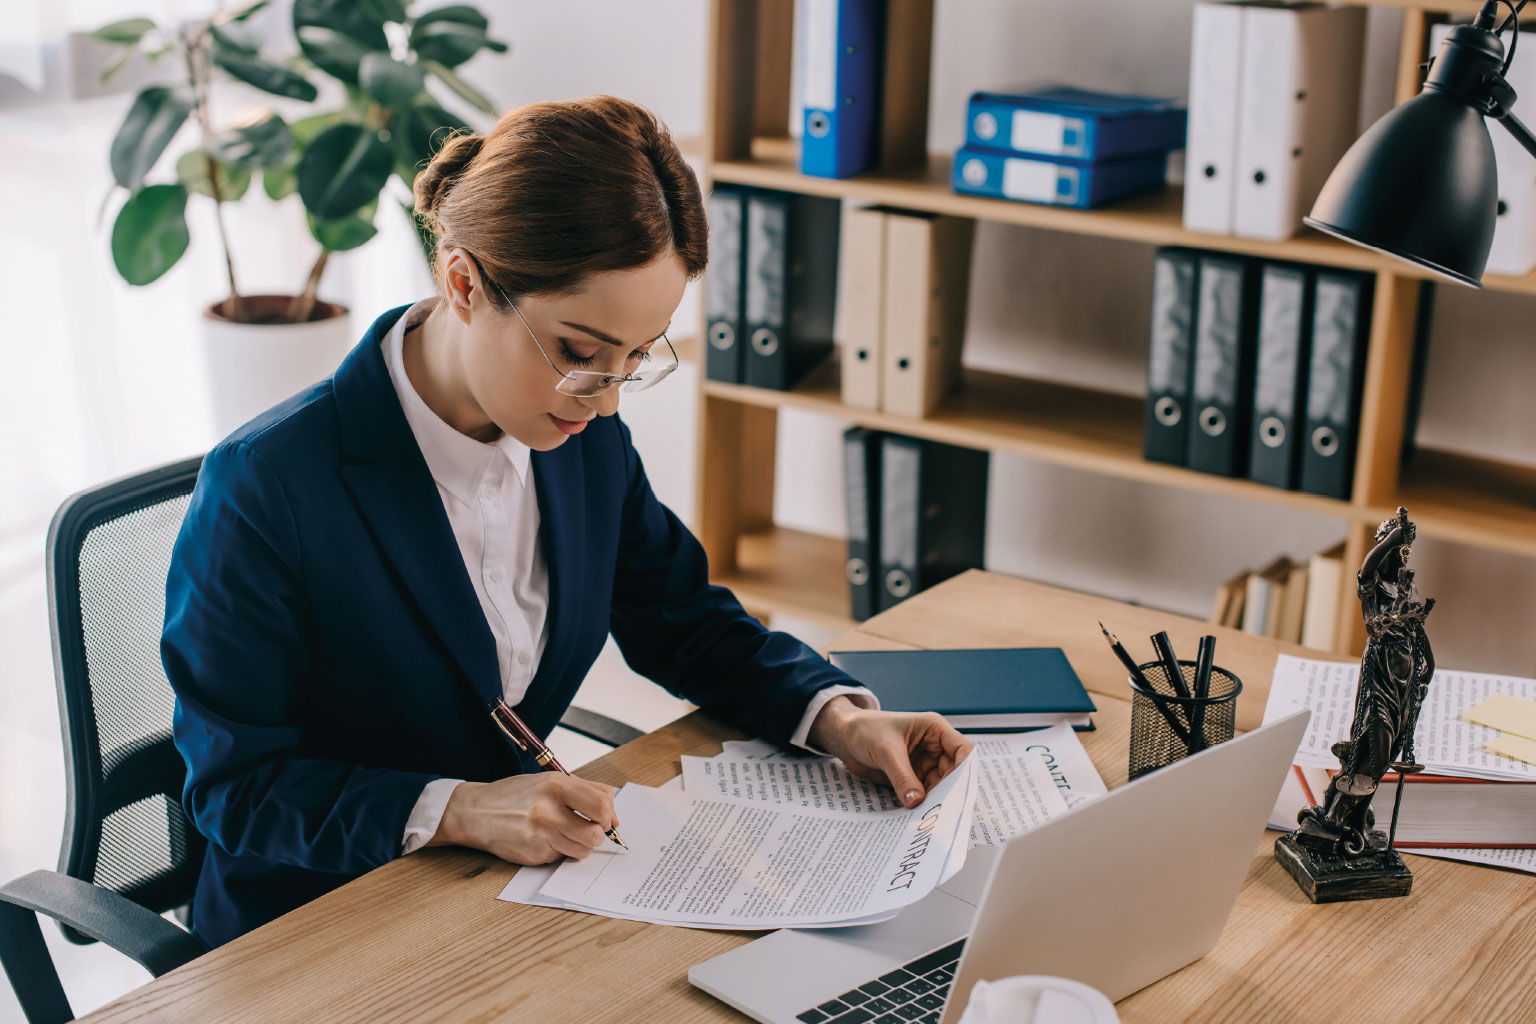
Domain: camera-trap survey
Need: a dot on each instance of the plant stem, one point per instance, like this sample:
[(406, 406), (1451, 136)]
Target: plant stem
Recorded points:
[(300, 309), (197, 71)]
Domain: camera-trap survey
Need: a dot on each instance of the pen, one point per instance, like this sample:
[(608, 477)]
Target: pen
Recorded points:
[(524, 739), (1203, 662), (1164, 647), (1140, 677)]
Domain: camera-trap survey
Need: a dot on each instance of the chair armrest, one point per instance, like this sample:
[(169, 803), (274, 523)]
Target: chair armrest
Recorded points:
[(598, 727)]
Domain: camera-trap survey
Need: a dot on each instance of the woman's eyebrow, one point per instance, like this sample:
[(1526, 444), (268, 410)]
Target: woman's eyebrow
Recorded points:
[(600, 336)]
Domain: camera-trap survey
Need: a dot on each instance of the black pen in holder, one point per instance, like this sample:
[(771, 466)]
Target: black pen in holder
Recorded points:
[(1160, 719)]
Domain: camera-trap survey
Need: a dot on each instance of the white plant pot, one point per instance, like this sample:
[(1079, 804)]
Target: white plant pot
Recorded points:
[(254, 366)]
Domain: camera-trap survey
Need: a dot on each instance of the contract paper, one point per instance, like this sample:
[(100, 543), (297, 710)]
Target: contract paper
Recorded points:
[(1443, 742), (700, 860)]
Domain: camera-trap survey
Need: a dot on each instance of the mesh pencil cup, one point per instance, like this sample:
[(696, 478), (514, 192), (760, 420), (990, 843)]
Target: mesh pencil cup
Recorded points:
[(1155, 742)]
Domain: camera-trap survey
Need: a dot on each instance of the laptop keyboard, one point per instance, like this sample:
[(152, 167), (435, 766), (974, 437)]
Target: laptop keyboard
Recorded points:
[(913, 994)]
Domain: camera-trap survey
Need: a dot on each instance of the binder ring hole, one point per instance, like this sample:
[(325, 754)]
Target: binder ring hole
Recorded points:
[(1325, 441), (863, 355), (1210, 170), (1213, 421), (898, 583), (986, 126), (818, 124), (857, 571), (1167, 411), (974, 172), (1258, 177), (766, 342), (722, 336), (1503, 208), (903, 363), (1272, 432)]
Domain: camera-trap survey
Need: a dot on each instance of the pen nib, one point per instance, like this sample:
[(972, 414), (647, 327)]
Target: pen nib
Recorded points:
[(614, 835)]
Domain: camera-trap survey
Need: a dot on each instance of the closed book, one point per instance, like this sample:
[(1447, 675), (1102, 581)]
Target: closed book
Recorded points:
[(1169, 354), (840, 85), (1292, 605), (1210, 156), (1055, 181), (1262, 587), (1325, 578), (1280, 374), (1445, 810), (1222, 387), (1062, 120), (724, 300), (989, 690), (933, 514), (861, 294), (1227, 608), (861, 476), (1299, 95), (1341, 317), (927, 282), (791, 285)]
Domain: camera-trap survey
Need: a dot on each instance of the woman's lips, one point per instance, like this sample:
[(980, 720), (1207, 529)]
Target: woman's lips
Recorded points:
[(571, 427)]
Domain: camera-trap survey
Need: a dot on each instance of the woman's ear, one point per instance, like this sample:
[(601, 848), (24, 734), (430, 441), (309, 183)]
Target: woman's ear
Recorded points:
[(460, 281)]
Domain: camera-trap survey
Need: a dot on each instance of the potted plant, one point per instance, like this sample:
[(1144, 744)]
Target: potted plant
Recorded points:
[(262, 348)]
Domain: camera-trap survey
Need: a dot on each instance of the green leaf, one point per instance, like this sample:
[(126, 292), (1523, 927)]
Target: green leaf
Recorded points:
[(235, 38), (245, 13), (127, 32), (192, 172), (281, 182), (390, 82), (451, 43), (345, 18), (345, 233), (382, 11), (266, 76), (468, 93), (150, 233), (343, 170), (156, 115), (306, 128), (265, 142), (461, 14), (419, 131), (116, 64), (333, 52)]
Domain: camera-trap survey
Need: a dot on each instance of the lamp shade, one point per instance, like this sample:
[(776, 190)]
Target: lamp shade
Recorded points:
[(1420, 185)]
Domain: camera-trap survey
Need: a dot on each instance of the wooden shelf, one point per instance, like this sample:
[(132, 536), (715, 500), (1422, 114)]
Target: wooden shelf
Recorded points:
[(1156, 218), (1068, 426), (791, 572), (1468, 500)]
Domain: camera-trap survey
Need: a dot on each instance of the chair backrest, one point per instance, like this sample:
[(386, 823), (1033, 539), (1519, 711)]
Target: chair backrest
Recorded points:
[(109, 549)]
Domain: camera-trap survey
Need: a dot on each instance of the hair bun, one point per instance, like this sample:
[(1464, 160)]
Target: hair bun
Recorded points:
[(433, 183)]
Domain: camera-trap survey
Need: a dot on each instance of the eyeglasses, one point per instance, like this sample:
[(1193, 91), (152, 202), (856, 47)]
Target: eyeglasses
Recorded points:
[(588, 383)]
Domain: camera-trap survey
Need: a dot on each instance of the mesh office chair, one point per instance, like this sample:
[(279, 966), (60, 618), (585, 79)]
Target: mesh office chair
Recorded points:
[(129, 851)]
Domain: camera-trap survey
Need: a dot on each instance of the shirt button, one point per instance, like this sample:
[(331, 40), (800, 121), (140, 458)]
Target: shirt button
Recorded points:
[(495, 575), (487, 493), (522, 659)]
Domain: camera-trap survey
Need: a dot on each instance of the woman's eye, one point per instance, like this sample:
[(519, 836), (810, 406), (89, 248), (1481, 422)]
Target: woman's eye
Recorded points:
[(573, 357), (642, 354)]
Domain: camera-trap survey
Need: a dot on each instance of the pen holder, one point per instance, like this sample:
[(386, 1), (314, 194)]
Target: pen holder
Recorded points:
[(1155, 742)]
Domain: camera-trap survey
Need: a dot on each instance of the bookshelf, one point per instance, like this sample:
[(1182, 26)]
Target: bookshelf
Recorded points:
[(776, 570)]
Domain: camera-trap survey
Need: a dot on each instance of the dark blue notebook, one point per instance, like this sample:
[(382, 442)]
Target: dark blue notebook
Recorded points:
[(990, 690)]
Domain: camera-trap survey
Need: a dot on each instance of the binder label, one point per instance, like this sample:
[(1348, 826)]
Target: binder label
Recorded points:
[(1050, 134), (821, 55), (1031, 180)]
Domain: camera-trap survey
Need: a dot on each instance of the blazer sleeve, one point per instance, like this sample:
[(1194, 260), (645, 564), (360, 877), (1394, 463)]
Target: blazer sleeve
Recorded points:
[(234, 647), (695, 638)]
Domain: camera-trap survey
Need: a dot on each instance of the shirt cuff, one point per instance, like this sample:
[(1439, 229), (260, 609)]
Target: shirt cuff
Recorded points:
[(422, 824), (858, 694)]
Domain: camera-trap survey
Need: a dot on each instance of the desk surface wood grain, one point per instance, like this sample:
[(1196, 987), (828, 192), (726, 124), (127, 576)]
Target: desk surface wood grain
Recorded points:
[(425, 939)]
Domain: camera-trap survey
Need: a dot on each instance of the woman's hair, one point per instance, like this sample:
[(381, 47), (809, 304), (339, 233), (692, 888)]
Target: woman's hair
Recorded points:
[(560, 191)]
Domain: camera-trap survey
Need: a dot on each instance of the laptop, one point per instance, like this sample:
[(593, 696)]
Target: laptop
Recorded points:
[(1116, 894)]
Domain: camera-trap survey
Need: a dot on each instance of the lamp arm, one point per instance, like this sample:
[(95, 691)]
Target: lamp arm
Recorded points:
[(1522, 134)]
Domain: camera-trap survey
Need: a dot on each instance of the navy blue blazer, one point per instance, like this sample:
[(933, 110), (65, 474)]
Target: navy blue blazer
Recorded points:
[(330, 657)]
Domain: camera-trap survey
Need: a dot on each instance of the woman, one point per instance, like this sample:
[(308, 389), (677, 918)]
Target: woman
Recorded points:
[(457, 517)]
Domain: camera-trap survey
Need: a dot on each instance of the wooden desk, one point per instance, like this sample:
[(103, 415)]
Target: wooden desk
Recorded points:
[(425, 939)]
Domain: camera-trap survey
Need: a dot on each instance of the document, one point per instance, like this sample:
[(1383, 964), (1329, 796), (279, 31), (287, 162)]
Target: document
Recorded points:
[(1443, 742), (701, 860)]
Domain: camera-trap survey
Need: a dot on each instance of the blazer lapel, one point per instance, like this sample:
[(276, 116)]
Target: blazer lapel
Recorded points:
[(388, 478)]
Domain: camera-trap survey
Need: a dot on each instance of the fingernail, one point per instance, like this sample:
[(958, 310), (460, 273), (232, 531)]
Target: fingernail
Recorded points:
[(911, 796)]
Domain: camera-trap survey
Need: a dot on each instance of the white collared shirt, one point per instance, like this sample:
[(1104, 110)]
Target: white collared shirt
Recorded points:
[(488, 493)]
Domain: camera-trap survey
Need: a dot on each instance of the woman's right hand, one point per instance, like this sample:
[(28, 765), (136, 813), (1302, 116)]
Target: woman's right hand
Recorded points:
[(528, 819)]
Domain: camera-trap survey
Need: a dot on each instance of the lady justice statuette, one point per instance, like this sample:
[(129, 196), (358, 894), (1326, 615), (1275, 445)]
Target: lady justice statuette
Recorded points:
[(1335, 853)]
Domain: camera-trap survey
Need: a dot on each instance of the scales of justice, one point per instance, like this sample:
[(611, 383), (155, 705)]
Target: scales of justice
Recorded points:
[(1336, 853)]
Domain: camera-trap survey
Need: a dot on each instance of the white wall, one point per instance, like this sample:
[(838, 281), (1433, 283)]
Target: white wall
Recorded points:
[(1075, 309)]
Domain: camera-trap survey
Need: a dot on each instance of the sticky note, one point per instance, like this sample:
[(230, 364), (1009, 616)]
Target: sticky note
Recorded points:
[(1510, 745), (1505, 713)]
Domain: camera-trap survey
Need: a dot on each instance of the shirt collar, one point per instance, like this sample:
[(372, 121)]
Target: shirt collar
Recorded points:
[(457, 462)]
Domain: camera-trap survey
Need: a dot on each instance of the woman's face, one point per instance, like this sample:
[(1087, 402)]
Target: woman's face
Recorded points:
[(609, 325)]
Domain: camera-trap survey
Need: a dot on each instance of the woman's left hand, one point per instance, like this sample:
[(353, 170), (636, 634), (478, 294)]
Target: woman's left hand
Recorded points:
[(908, 751)]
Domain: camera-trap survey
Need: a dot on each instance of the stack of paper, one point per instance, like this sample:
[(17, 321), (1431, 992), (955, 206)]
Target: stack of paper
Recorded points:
[(1444, 742), (758, 837)]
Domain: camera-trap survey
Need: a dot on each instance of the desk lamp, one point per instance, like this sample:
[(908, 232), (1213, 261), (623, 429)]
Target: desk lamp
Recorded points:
[(1421, 184)]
